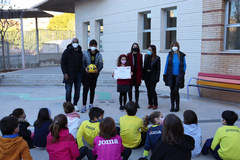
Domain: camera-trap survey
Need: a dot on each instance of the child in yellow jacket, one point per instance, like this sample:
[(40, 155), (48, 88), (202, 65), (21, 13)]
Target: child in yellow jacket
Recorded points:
[(132, 132)]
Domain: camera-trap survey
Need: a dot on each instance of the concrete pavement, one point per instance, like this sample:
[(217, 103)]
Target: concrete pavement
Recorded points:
[(34, 97)]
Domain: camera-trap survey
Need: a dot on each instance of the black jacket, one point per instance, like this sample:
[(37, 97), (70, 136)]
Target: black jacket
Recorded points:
[(182, 151), (167, 78), (24, 132), (68, 62), (155, 68)]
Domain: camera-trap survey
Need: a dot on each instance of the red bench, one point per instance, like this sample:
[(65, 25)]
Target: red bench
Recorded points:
[(222, 82)]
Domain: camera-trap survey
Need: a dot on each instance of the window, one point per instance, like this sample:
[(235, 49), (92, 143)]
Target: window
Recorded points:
[(171, 27), (232, 26), (146, 30), (88, 33), (101, 35)]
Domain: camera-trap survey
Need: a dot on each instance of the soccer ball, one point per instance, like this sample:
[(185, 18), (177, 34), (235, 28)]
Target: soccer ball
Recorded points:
[(91, 68)]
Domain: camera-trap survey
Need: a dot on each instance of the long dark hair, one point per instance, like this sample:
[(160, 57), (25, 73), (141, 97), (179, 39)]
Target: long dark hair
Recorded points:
[(17, 112), (132, 48), (107, 128), (154, 52), (59, 122), (43, 115), (150, 118), (172, 129), (119, 60)]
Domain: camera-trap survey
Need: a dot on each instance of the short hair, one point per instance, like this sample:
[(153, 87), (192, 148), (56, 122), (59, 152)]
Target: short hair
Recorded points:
[(172, 130), (107, 128), (230, 116), (131, 108), (93, 42), (68, 107), (17, 112), (95, 112), (8, 124), (190, 117)]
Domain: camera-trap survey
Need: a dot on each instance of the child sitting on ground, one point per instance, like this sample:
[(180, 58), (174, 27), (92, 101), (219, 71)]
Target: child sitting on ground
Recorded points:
[(41, 128), (132, 132), (60, 143), (225, 144), (73, 118), (192, 129), (11, 145), (89, 129), (108, 145), (23, 125), (154, 132)]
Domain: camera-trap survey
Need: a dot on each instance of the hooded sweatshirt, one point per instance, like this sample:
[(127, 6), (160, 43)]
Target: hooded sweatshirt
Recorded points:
[(181, 151), (73, 123), (14, 149), (65, 149), (194, 131)]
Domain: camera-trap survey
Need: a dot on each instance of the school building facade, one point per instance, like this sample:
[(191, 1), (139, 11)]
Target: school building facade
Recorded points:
[(208, 32)]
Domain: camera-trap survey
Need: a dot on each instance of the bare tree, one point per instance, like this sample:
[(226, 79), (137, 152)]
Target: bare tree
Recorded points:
[(6, 13)]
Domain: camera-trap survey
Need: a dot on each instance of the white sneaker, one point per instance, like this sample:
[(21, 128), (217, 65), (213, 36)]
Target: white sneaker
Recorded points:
[(76, 108)]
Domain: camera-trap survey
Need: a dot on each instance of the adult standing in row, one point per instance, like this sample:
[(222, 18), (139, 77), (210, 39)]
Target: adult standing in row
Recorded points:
[(151, 74), (136, 62), (174, 73), (72, 66), (91, 56)]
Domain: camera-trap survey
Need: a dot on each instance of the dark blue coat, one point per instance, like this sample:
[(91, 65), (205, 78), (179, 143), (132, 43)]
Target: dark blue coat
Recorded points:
[(40, 134)]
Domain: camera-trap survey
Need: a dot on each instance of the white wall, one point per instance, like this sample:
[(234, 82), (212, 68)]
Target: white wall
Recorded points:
[(122, 28)]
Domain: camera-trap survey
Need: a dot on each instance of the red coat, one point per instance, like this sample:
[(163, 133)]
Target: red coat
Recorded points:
[(139, 67)]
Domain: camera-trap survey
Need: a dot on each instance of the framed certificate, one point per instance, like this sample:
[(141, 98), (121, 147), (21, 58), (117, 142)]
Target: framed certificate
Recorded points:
[(122, 72)]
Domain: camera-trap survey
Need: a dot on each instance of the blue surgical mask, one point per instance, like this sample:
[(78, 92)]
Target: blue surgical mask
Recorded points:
[(149, 52)]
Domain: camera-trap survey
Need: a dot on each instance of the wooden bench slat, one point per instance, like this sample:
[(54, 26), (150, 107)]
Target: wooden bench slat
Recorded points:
[(223, 80), (217, 84), (219, 75)]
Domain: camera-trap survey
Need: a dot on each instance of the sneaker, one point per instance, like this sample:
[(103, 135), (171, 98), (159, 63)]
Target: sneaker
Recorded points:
[(83, 109), (121, 108), (90, 106), (76, 108)]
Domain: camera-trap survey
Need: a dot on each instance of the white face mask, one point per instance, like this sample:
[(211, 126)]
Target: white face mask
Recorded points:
[(75, 45), (174, 49), (93, 48)]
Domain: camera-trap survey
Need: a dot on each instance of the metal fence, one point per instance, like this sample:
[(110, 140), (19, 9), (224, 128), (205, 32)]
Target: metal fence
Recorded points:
[(49, 42)]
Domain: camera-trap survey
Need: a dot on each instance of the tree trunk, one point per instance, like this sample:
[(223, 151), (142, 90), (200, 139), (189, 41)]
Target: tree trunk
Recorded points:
[(4, 65)]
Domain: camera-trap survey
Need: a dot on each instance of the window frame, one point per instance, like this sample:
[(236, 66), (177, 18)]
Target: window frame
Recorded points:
[(100, 34), (146, 30), (169, 28), (226, 26)]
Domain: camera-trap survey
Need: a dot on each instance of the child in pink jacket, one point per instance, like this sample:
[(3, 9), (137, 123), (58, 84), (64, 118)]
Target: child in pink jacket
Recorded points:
[(60, 143), (108, 145)]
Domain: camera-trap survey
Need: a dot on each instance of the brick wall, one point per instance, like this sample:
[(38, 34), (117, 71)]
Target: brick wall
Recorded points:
[(212, 60)]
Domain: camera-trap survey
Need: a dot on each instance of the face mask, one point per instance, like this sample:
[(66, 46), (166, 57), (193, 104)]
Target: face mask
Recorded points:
[(135, 49), (123, 61), (174, 49), (93, 48), (161, 121), (149, 52), (75, 45)]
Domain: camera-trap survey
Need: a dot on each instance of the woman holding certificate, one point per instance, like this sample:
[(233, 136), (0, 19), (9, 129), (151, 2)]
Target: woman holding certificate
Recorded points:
[(135, 59), (151, 74)]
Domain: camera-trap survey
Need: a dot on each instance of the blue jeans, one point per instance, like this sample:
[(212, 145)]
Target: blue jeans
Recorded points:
[(77, 80)]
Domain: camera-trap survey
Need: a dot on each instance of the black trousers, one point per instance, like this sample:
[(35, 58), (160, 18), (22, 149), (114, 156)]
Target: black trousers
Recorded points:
[(126, 154), (175, 90), (136, 92), (89, 82), (150, 83)]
